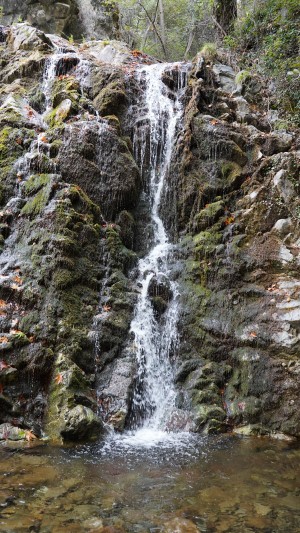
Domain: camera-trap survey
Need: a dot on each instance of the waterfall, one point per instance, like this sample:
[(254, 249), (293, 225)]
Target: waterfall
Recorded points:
[(88, 15), (156, 338)]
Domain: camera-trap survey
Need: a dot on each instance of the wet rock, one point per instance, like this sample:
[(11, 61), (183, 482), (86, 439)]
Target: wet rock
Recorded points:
[(60, 113), (283, 226), (159, 286), (225, 76), (9, 432), (114, 391), (16, 111), (212, 414), (81, 423), (180, 525), (277, 143), (70, 17), (105, 170), (25, 37), (112, 52), (159, 305)]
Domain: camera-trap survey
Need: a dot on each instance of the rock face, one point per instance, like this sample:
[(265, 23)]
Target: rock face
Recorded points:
[(73, 222), (76, 18), (67, 178), (235, 199)]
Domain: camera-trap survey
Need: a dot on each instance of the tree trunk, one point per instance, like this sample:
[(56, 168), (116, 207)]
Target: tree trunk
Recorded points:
[(162, 23), (225, 12)]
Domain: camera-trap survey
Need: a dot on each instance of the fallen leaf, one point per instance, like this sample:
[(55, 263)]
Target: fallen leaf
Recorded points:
[(15, 287), (106, 308), (3, 339), (214, 121), (44, 139), (30, 436), (229, 220), (17, 279), (272, 288), (3, 304), (59, 379), (136, 53), (253, 334)]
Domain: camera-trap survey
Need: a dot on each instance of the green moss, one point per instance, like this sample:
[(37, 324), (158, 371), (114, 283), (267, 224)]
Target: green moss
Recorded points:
[(35, 205), (19, 339), (230, 172), (64, 88), (36, 182), (206, 242), (209, 51), (110, 100), (64, 278), (55, 147), (121, 257), (209, 214), (29, 324), (242, 76), (4, 140), (57, 116), (207, 412)]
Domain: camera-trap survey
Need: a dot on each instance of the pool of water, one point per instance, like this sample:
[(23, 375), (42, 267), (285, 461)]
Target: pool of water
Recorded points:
[(183, 485)]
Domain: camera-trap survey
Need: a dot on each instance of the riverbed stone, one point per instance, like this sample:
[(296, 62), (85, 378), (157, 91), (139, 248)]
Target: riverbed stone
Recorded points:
[(180, 525)]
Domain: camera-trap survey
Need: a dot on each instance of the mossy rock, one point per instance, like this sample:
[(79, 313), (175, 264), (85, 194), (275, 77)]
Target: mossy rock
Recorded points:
[(206, 242), (62, 278), (13, 143), (114, 122), (208, 396), (232, 174), (209, 215), (81, 423), (205, 413), (60, 113), (111, 99), (35, 205), (36, 182), (66, 88)]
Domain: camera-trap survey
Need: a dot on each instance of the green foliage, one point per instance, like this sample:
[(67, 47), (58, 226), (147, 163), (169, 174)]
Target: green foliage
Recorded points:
[(209, 51), (242, 76), (267, 35), (170, 29)]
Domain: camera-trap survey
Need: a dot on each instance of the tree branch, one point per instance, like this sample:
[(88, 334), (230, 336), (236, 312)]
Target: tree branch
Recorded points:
[(154, 27)]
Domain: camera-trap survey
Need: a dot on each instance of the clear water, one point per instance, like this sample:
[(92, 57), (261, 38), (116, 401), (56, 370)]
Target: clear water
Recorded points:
[(214, 485)]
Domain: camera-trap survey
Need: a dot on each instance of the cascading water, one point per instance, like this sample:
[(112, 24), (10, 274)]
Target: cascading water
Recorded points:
[(156, 337)]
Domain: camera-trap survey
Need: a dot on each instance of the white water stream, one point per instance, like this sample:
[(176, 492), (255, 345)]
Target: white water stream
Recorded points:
[(155, 340)]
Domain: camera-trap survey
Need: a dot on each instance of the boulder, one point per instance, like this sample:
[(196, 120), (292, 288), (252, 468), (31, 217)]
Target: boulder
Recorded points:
[(81, 423)]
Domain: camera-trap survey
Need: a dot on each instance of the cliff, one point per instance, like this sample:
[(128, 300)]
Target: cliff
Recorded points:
[(74, 222), (71, 18)]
